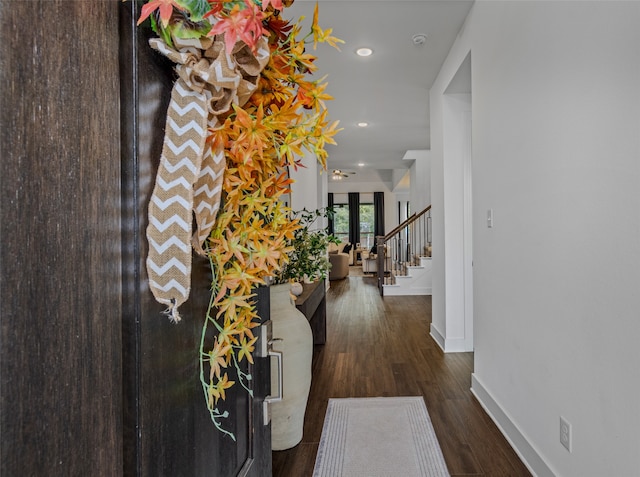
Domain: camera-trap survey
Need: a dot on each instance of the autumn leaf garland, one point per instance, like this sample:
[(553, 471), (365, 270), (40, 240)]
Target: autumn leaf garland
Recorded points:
[(252, 236)]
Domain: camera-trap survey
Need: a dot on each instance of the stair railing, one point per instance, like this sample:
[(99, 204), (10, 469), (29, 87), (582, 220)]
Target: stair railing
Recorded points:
[(403, 247)]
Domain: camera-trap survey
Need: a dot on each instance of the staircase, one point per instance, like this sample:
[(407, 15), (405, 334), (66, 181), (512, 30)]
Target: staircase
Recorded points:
[(407, 249)]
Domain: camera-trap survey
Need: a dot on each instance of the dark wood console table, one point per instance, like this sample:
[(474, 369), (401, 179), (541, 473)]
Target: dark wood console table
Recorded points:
[(313, 304)]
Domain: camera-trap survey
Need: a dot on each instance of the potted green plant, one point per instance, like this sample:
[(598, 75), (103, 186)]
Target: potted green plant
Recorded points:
[(309, 260)]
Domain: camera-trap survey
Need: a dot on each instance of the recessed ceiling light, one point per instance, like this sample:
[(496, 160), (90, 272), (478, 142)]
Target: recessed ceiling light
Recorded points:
[(364, 51), (361, 164), (363, 124)]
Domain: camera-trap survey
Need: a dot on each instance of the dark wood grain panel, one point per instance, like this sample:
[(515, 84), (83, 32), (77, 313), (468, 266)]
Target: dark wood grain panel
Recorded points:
[(381, 347), (60, 245), (167, 429), (167, 419)]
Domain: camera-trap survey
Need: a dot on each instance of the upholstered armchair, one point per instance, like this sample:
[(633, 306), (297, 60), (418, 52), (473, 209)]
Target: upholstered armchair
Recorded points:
[(340, 257), (339, 265)]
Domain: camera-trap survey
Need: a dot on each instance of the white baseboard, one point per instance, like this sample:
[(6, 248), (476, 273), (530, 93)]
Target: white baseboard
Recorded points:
[(459, 345), (527, 453), (399, 290), (437, 336)]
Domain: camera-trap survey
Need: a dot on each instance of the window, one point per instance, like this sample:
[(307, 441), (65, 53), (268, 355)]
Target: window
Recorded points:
[(341, 222), (367, 224), (367, 231)]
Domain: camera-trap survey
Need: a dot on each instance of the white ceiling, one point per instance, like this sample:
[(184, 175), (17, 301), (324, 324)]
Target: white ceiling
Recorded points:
[(389, 89)]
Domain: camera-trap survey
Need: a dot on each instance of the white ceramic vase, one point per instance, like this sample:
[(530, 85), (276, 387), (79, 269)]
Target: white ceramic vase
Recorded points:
[(292, 327)]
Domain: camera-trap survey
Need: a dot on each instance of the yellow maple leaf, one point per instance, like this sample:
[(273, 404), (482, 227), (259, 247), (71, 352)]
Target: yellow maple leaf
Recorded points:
[(246, 348), (218, 358)]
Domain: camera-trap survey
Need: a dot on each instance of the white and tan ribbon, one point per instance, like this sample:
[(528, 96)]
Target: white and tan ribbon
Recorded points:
[(189, 177)]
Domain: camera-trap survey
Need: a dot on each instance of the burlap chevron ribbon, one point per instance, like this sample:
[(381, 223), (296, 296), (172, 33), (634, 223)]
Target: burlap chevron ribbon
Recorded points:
[(189, 178)]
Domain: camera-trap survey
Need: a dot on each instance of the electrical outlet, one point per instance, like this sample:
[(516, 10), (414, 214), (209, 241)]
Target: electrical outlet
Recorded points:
[(565, 433)]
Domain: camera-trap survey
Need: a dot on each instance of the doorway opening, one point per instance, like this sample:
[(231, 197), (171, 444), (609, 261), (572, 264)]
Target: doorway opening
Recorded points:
[(457, 142)]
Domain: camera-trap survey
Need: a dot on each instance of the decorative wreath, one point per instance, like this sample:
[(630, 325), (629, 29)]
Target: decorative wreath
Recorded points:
[(240, 116)]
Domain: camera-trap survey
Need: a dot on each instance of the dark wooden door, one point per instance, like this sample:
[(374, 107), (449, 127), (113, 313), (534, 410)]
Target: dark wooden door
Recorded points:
[(167, 422), (94, 380)]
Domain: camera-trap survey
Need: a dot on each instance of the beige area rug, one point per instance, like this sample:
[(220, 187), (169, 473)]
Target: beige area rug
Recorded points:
[(379, 437), (356, 271)]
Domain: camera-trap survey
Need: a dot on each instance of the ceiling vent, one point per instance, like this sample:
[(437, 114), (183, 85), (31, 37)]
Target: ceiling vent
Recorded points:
[(419, 39)]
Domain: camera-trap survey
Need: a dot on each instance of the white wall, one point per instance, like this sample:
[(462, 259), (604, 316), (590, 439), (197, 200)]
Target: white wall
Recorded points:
[(420, 179), (400, 210), (309, 189), (556, 155), (306, 189)]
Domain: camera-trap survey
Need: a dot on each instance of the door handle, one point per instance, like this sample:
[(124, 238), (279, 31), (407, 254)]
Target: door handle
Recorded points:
[(265, 350), (279, 355)]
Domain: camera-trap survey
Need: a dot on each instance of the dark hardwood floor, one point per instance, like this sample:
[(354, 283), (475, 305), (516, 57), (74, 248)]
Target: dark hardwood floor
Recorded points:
[(382, 347)]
